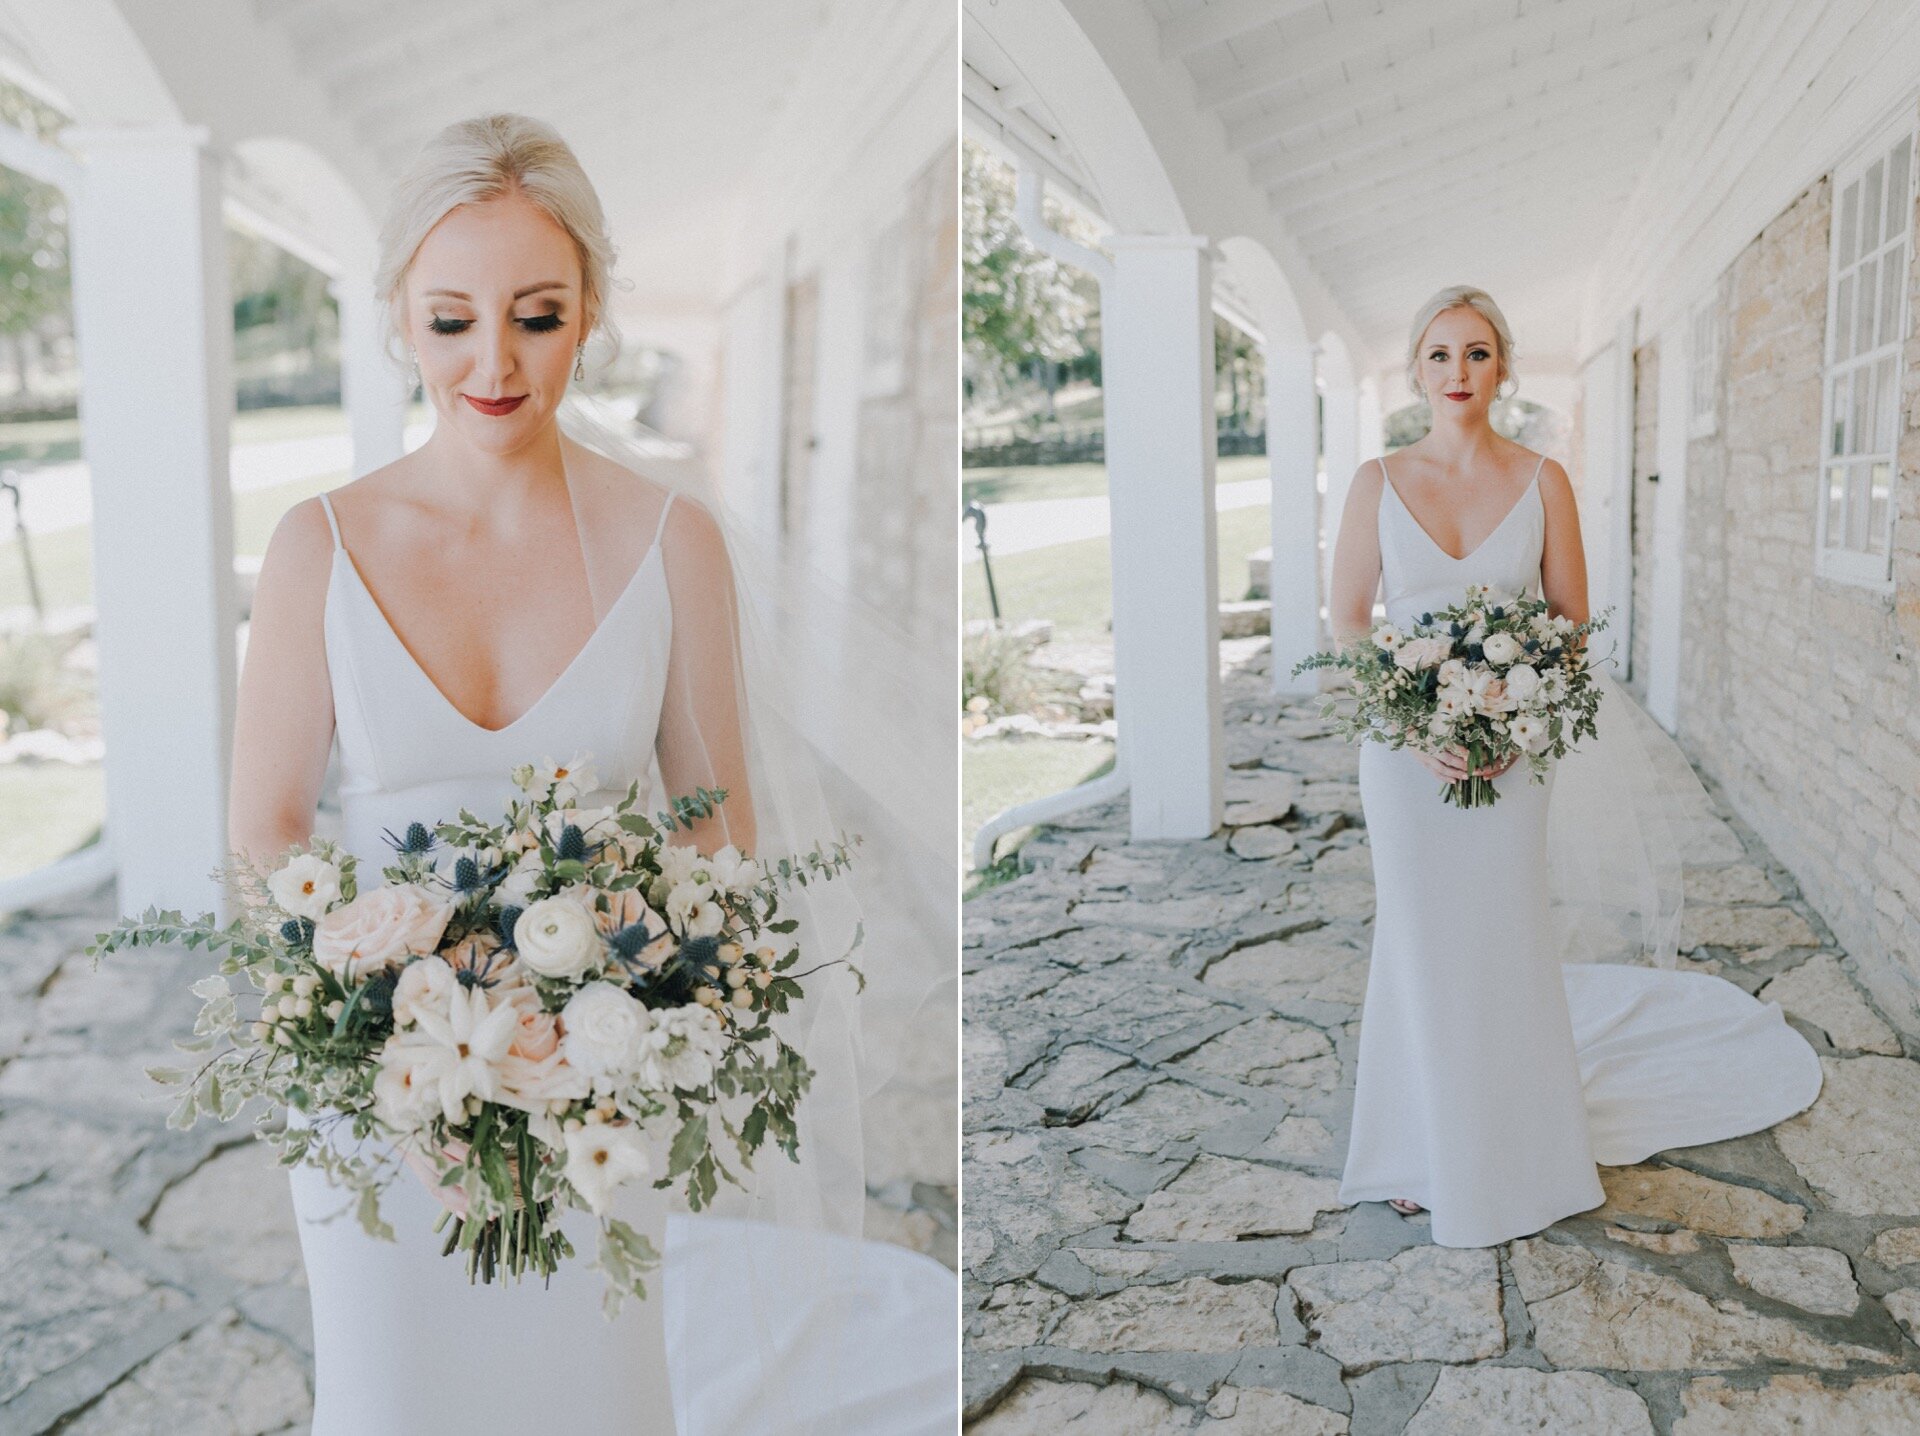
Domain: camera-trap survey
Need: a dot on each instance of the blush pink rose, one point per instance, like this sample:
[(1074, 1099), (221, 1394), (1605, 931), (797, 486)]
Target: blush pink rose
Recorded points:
[(537, 1037), (386, 925)]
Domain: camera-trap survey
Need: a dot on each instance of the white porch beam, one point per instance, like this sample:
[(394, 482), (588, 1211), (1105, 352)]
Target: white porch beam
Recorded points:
[(1293, 571), (1226, 20), (1358, 271), (374, 388), (156, 400), (1340, 443)]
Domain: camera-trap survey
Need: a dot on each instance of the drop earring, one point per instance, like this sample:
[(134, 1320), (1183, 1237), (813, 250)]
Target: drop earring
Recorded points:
[(580, 362), (413, 360)]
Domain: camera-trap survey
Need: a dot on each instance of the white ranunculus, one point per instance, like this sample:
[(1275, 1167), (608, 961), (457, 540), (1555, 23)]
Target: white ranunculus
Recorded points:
[(1477, 633), (1502, 648), (682, 1049), (426, 985), (1523, 681), (1529, 732), (306, 886), (1388, 637), (605, 1033), (558, 938), (734, 870), (602, 1157), (516, 888)]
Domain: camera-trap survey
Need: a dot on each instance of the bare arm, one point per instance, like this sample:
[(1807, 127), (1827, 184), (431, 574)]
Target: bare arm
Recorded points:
[(1356, 557), (1563, 559), (283, 724), (702, 740)]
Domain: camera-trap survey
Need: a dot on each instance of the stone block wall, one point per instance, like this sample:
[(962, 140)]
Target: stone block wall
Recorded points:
[(1646, 463), (1799, 695)]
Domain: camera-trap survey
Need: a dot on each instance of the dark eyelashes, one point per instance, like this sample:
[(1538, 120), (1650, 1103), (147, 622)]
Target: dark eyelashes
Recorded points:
[(534, 323), (1441, 354)]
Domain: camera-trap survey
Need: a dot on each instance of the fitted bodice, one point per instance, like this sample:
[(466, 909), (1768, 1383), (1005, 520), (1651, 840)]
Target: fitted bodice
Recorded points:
[(407, 754), (1418, 576)]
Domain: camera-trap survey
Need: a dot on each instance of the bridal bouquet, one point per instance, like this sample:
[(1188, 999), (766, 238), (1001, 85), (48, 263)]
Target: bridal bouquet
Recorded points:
[(540, 1010), (1495, 674)]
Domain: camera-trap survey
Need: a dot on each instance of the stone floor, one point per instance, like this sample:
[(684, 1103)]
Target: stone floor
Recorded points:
[(153, 1281), (1158, 1052)]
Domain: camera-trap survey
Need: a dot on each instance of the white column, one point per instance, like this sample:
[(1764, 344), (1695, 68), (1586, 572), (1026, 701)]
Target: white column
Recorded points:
[(1340, 421), (1157, 366), (1372, 424), (155, 329), (1294, 575), (374, 387)]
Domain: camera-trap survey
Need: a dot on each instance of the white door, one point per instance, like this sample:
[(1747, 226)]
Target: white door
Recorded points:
[(1666, 590)]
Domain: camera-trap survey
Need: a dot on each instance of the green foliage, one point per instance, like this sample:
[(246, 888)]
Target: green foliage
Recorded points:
[(37, 689)]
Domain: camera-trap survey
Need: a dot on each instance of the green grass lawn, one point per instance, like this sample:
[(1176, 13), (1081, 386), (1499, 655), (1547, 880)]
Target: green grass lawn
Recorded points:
[(1072, 583), (63, 806), (999, 772), (1076, 481), (54, 441)]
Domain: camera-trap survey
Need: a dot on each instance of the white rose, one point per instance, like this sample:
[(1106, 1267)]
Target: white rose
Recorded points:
[(1502, 648), (557, 937), (1529, 732), (425, 986), (682, 1049), (601, 1158), (1388, 637), (306, 886), (605, 1032), (1523, 681)]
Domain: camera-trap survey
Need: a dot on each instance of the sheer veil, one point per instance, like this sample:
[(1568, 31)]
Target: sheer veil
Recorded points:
[(817, 715)]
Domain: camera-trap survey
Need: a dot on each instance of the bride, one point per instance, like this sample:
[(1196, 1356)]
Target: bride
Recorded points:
[(1492, 1078), (513, 592)]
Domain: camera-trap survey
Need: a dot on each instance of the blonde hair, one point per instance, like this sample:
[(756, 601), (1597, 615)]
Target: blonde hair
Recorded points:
[(1460, 296), (475, 160)]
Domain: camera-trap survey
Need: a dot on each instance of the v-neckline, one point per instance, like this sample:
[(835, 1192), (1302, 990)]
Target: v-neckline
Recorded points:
[(1492, 533), (341, 556)]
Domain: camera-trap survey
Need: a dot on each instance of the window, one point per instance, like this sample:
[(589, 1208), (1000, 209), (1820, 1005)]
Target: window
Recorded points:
[(1866, 329), (1703, 359)]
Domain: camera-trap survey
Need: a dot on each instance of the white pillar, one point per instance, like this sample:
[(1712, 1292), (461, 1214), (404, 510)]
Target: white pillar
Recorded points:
[(1372, 424), (1340, 420), (1294, 574), (155, 329), (1157, 368), (374, 387)]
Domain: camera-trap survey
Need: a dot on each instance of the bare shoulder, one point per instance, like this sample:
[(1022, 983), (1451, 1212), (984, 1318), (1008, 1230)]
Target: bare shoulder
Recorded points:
[(1555, 486), (692, 530)]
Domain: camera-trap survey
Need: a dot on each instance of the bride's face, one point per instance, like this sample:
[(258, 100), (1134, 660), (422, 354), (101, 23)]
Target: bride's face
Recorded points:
[(494, 313), (1459, 364)]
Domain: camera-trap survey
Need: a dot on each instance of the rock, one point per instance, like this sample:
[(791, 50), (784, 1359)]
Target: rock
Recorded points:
[(1118, 1006), (1270, 1052), (1179, 915), (1262, 843), (1217, 1199), (1070, 1085), (1260, 785), (235, 1212), (1816, 1279), (1297, 1137), (1591, 1312), (1707, 841), (1312, 967), (1855, 1144), (1022, 1196), (1897, 1246), (226, 1379), (1075, 1408), (1341, 897), (1799, 1406), (1015, 1315), (1818, 991), (1254, 814), (1163, 1113), (1686, 1199), (1734, 883), (1665, 1243), (1251, 1411), (1119, 1262), (1493, 1400), (1740, 927), (1905, 1306), (1194, 1315), (1426, 1304)]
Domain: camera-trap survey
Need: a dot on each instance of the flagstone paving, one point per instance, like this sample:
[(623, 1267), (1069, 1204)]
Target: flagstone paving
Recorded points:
[(1158, 1050), (153, 1284)]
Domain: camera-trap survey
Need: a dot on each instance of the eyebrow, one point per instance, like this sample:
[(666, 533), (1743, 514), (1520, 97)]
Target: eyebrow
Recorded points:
[(517, 294)]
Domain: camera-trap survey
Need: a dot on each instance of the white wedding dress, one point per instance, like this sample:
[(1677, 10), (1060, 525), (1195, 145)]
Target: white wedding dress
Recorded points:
[(1492, 1077), (403, 1343)]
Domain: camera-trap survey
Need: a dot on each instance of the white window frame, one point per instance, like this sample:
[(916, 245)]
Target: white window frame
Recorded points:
[(1872, 566), (1704, 329)]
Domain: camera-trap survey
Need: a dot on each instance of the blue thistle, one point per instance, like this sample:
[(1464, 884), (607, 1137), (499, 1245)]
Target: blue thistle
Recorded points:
[(466, 875), (504, 924), (573, 844), (418, 839), (296, 931), (377, 1001)]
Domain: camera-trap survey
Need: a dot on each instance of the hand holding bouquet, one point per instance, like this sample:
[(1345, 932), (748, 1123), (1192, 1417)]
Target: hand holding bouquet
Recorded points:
[(1495, 674), (534, 1011)]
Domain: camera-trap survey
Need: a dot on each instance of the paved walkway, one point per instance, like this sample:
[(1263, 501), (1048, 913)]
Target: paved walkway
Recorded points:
[(1042, 523), (153, 1281), (1158, 1045)]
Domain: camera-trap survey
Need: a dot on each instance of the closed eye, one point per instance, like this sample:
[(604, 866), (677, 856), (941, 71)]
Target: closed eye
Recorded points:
[(533, 324)]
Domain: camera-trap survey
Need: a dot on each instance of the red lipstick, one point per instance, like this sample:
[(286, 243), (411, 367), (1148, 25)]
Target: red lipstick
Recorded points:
[(495, 408)]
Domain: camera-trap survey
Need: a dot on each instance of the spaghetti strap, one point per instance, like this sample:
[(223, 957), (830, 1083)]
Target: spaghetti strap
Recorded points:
[(665, 509), (326, 505), (1538, 467)]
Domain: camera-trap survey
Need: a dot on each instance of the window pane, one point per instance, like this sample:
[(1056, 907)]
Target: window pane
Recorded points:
[(1860, 430), (1899, 203), (1892, 276), (1870, 207), (1837, 403), (1863, 314), (1842, 320), (1849, 218), (1836, 505), (1880, 497), (1857, 507), (1886, 409)]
